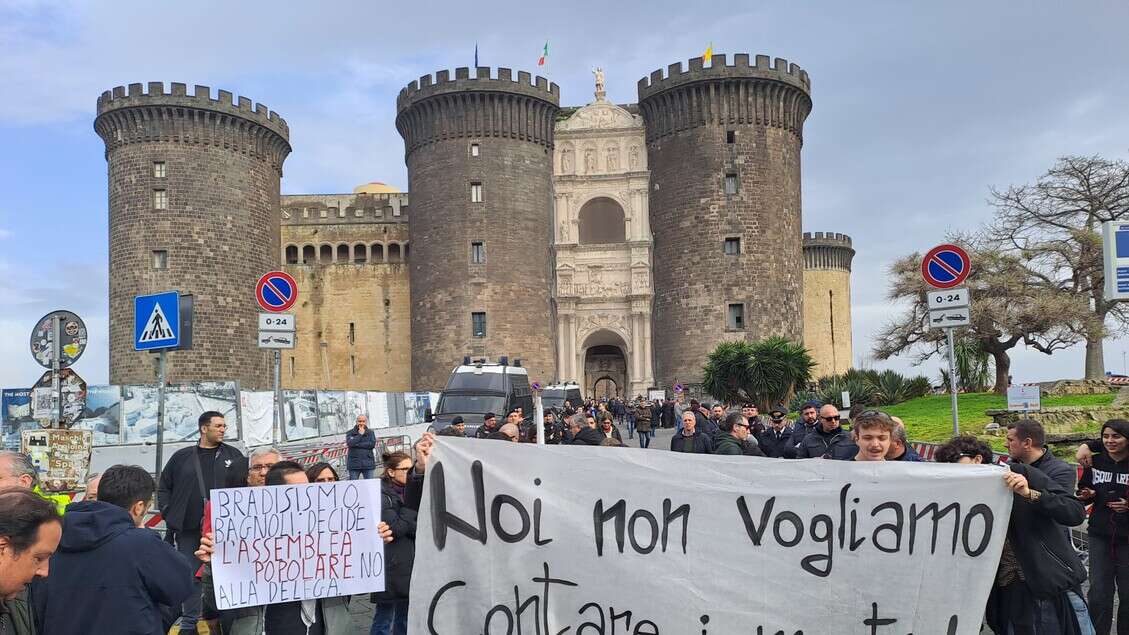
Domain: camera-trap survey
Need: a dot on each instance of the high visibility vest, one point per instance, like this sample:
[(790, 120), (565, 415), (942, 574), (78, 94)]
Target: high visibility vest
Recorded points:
[(60, 500)]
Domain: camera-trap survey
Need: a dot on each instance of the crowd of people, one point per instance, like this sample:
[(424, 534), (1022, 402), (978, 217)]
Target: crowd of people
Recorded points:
[(55, 569)]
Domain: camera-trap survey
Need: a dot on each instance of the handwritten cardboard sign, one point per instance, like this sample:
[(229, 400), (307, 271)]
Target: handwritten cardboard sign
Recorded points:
[(552, 539), (296, 542)]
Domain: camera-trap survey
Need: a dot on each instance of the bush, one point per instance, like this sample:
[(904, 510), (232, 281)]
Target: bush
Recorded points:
[(868, 388)]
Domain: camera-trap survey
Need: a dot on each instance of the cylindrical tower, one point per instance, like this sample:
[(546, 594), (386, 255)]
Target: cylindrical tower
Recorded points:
[(194, 207), (723, 144), (827, 301), (479, 156)]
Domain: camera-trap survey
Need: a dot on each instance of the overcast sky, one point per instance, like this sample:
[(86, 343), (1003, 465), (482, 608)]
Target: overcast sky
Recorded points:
[(919, 108)]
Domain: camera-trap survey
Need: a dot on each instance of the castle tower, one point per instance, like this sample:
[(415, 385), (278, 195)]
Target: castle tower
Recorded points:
[(827, 301), (194, 207), (479, 156), (723, 144)]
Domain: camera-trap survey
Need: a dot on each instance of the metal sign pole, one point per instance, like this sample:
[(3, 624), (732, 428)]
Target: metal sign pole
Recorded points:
[(539, 417), (280, 405), (56, 354), (160, 412), (954, 381)]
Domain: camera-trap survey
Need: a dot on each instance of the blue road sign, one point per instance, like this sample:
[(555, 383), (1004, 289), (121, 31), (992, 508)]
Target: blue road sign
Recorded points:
[(156, 321)]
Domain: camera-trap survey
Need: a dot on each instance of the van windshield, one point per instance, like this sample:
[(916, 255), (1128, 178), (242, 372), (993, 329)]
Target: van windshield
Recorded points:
[(472, 381), (472, 404), (553, 397)]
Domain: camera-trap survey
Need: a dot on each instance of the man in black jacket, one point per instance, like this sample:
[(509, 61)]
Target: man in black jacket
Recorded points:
[(361, 440), (690, 439), (829, 440), (1026, 443), (776, 439), (1038, 583), (186, 482), (109, 568)]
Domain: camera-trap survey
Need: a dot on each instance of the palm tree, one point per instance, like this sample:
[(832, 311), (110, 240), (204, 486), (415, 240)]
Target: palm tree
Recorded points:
[(766, 373)]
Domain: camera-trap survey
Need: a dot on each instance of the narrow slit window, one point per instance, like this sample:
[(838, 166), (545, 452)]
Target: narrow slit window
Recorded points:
[(475, 192), (474, 149), (160, 259), (478, 253), (478, 323), (352, 333), (731, 183), (730, 136), (159, 169), (160, 199)]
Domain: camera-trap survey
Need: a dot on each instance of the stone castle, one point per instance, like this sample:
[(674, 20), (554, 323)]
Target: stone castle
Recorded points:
[(612, 245)]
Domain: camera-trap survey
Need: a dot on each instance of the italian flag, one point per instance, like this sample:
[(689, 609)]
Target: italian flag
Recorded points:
[(544, 55)]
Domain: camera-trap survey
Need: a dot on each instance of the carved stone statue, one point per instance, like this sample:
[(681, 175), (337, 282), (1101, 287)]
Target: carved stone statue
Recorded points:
[(633, 158), (599, 73), (613, 158), (566, 161), (564, 231), (590, 161)]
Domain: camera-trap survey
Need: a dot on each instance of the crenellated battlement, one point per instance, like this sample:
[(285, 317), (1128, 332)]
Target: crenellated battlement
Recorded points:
[(440, 108), (827, 250), (827, 238), (743, 67), (155, 94), (485, 79)]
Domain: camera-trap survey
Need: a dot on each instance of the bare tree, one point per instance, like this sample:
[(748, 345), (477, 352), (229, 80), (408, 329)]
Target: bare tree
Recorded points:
[(1009, 306), (1054, 226)]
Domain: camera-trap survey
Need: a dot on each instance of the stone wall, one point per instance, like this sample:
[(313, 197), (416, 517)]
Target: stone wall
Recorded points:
[(353, 312), (827, 301)]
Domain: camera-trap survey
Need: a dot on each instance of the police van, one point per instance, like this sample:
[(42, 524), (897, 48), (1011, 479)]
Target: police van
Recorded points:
[(478, 387), (554, 397)]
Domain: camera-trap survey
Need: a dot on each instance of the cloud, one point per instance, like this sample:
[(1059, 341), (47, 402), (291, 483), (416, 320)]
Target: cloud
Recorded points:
[(4, 233)]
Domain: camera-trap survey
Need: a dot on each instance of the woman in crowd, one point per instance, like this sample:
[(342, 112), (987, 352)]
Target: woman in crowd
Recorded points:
[(1106, 484), (391, 617), (322, 473)]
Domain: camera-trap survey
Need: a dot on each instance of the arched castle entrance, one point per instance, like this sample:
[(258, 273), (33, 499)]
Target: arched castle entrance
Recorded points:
[(605, 364)]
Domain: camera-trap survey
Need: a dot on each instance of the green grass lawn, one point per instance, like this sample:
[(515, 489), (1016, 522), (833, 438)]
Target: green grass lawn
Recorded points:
[(930, 419)]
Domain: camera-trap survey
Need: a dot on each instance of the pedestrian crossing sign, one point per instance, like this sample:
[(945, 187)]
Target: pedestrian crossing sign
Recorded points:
[(156, 321)]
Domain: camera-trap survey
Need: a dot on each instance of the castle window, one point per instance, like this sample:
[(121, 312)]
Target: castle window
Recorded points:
[(291, 254), (731, 183), (730, 136), (353, 364), (732, 246), (478, 253), (359, 212), (309, 256), (474, 149), (478, 324), (377, 252), (342, 253), (160, 259), (475, 192), (602, 222), (394, 252), (352, 332), (360, 254), (160, 199), (325, 254), (735, 318), (159, 169), (291, 366)]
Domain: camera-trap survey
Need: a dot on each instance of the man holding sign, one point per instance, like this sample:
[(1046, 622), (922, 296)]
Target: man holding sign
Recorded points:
[(298, 548)]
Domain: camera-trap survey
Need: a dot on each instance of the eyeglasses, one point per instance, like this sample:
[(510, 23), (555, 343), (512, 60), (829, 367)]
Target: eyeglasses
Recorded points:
[(741, 425), (831, 418), (262, 468)]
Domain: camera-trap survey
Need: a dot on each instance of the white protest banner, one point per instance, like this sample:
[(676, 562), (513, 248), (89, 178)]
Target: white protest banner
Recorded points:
[(594, 541), (296, 542)]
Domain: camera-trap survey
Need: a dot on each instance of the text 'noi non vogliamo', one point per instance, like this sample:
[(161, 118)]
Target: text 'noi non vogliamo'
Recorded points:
[(557, 539)]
